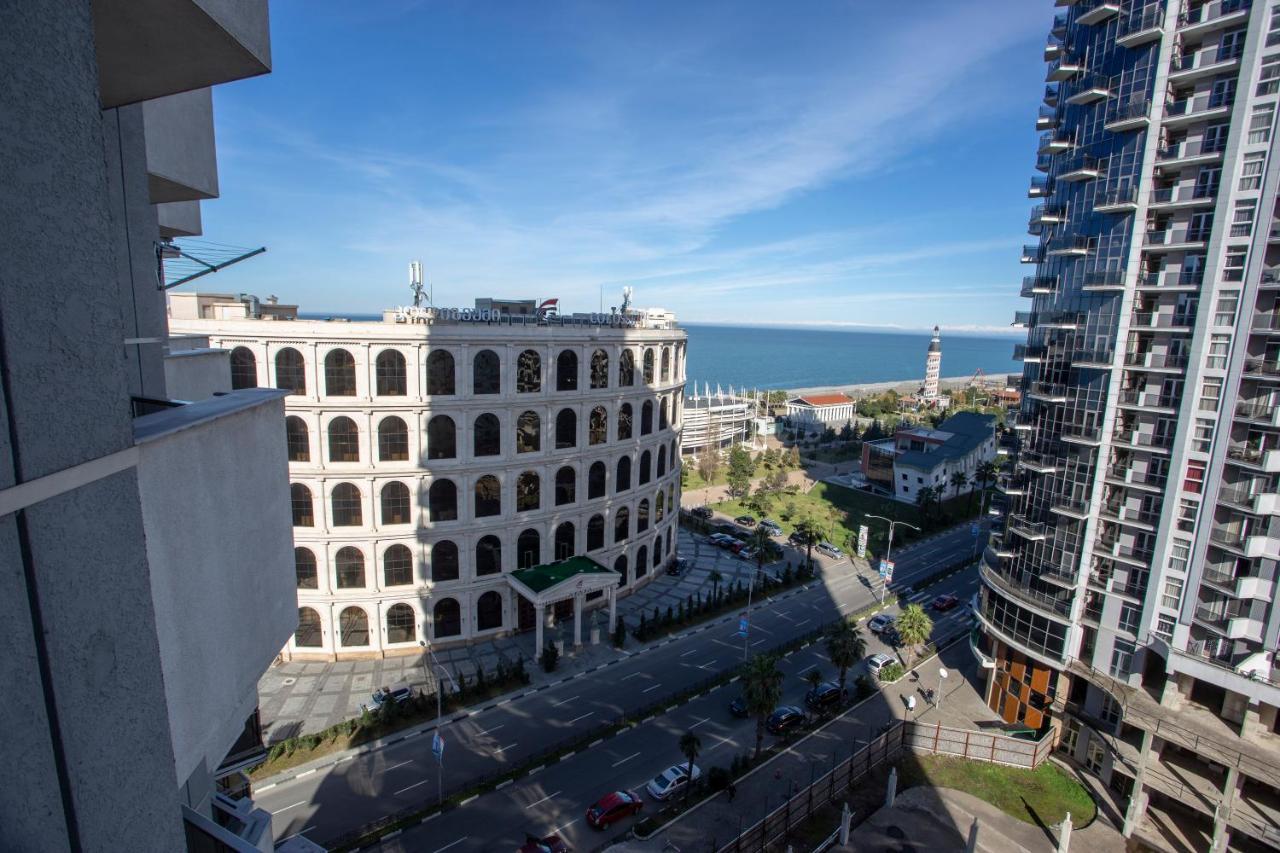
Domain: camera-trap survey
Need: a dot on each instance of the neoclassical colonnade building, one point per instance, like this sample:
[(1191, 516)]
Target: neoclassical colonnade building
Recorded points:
[(435, 454)]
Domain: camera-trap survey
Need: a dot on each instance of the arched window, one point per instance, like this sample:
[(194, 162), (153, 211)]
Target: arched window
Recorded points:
[(447, 619), (595, 533), (393, 440), (291, 371), (442, 501), (442, 438), (566, 486), (486, 435), (567, 371), (599, 369), (666, 364), (646, 417), (347, 511), (486, 373), (353, 625), (444, 561), (620, 566), (598, 426), (528, 373), (296, 439), (528, 549), (627, 369), (339, 374), (349, 568), (397, 566), (642, 561), (528, 433), (565, 541), (657, 551), (596, 477), (304, 566), (402, 627), (390, 374), (488, 556), (621, 525), (662, 462), (488, 496), (303, 512), (528, 492), (642, 516), (663, 421), (659, 505), (344, 440), (244, 369), (623, 480), (566, 429), (309, 634), (648, 366), (395, 503), (489, 611), (644, 467), (440, 373), (624, 421)]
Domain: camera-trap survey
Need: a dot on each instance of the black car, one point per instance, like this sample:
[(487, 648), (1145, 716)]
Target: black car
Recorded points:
[(738, 707), (891, 637), (796, 539), (746, 520), (701, 512), (824, 697), (677, 567), (783, 719)]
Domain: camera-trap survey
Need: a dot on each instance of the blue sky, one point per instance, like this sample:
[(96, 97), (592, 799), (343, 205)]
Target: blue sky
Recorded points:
[(837, 163)]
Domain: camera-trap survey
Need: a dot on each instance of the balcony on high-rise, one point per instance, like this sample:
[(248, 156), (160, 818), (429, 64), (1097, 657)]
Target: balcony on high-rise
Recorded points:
[(1063, 68), (1117, 200), (1120, 512), (1088, 89), (1127, 473), (1134, 114), (1259, 411), (1141, 25), (1265, 321), (1171, 280), (1263, 369), (1171, 239), (1103, 280), (1251, 455), (1077, 508), (1040, 462), (1096, 11), (1040, 188), (1135, 398), (1053, 49), (1188, 110), (1054, 143), (1080, 167), (1270, 279), (1051, 95), (1186, 195), (1048, 118), (1034, 531), (1070, 245), (1251, 496), (1134, 437), (1029, 353), (1159, 362), (1049, 392), (1215, 15), (1032, 254), (1039, 285), (1206, 62), (1191, 152), (1089, 435)]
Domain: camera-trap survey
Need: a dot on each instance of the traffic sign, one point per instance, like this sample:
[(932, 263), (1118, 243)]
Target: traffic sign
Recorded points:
[(973, 529), (888, 573), (437, 747), (862, 540), (884, 568), (742, 625)]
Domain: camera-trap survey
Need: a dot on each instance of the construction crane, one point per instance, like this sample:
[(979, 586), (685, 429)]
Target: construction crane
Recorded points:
[(973, 381)]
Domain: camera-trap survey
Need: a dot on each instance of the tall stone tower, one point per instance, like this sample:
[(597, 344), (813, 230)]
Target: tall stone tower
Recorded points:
[(933, 367)]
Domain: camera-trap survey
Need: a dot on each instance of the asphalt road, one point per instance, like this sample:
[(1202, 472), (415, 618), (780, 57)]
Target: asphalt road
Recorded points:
[(333, 800)]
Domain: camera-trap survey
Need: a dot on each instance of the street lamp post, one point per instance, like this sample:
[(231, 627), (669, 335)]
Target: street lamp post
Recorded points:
[(439, 710), (942, 677), (888, 551)]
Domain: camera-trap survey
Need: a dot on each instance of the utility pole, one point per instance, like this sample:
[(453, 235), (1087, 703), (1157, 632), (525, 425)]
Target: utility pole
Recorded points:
[(888, 551), (437, 740)]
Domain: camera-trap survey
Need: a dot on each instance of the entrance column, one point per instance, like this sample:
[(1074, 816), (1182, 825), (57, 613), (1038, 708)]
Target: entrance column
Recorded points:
[(540, 616), (613, 609), (578, 602)]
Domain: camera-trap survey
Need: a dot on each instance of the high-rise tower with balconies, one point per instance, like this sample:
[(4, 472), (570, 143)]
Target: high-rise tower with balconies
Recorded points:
[(1127, 601)]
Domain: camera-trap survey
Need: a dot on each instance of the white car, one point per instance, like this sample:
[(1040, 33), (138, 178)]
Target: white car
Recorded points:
[(879, 622), (671, 780), (829, 549), (877, 662), (771, 527)]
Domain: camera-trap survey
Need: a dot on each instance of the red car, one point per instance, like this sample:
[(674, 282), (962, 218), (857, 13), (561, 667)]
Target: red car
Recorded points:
[(550, 844), (613, 807), (944, 602)]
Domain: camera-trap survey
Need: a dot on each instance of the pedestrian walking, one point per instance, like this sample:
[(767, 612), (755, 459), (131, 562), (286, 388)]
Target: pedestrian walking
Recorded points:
[(911, 703), (733, 790)]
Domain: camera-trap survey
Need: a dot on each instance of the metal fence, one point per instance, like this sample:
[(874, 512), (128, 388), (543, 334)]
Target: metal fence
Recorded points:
[(976, 745)]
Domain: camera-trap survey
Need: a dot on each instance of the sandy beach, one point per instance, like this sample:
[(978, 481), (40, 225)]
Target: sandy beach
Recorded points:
[(905, 386)]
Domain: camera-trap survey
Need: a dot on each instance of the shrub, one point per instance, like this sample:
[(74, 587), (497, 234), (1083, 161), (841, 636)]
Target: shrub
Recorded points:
[(892, 672), (620, 633), (550, 658), (864, 687), (718, 779)]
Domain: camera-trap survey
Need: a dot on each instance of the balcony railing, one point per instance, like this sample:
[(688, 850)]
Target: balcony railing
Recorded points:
[(1211, 12), (1098, 358), (1139, 478), (1141, 25), (1051, 95), (1184, 194), (1023, 318), (1060, 605), (1198, 148), (1027, 529), (1169, 361), (1035, 285), (1040, 188), (1073, 244), (1047, 118), (1190, 107), (1266, 321), (1104, 280), (1147, 399), (1134, 112), (1134, 438), (1052, 143), (1117, 197), (1157, 320), (1090, 88), (1202, 58), (1080, 167), (1118, 510), (1052, 391), (1255, 410), (1261, 367), (1176, 236), (1171, 278)]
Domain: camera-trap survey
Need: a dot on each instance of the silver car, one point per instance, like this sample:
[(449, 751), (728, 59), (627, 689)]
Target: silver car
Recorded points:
[(671, 780), (829, 549)]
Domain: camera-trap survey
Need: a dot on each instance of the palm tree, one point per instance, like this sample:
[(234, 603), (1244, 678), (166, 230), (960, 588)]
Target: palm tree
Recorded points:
[(926, 498), (986, 475), (761, 542), (914, 625), (958, 481), (809, 533), (845, 647), (814, 677), (690, 746), (762, 690), (715, 577)]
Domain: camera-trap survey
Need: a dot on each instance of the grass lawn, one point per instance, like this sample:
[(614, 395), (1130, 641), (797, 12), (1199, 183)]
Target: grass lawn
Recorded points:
[(1040, 796), (839, 511)]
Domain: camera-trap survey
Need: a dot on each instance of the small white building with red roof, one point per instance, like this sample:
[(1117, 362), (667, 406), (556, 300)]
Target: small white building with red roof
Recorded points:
[(820, 410)]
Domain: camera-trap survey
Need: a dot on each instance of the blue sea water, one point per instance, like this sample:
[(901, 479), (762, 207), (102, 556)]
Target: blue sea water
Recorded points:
[(789, 358)]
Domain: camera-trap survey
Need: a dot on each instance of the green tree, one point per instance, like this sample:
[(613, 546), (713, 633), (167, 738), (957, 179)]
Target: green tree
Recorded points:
[(708, 465), (810, 535), (777, 480), (762, 690), (828, 435), (814, 678), (958, 480), (741, 469), (845, 647), (846, 431), (927, 500), (762, 543), (914, 626), (690, 746), (620, 632), (875, 432), (715, 577), (986, 475)]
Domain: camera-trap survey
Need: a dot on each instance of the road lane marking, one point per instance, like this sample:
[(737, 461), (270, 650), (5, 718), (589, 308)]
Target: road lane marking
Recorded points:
[(654, 687), (757, 642), (583, 717), (505, 748), (711, 662), (304, 802), (486, 731), (723, 740), (690, 652), (394, 766), (632, 675), (615, 764), (700, 722), (411, 787), (723, 643), (563, 702), (558, 829), (452, 844), (803, 622), (543, 800)]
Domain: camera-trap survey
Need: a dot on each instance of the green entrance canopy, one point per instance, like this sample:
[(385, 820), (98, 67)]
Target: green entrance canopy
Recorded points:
[(539, 579)]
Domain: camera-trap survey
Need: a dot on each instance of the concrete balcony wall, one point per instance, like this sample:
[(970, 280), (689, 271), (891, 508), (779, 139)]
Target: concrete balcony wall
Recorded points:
[(151, 48), (215, 506), (179, 219), (197, 374), (182, 160)]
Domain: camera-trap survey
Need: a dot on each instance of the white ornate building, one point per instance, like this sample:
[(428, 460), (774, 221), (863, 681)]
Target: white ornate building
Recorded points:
[(428, 461)]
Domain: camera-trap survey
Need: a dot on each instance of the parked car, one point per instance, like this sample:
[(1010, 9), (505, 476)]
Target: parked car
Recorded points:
[(550, 844), (728, 528), (671, 780), (398, 693), (721, 540), (890, 636), (612, 808), (829, 549), (824, 697), (737, 546), (746, 521), (944, 603), (701, 512), (783, 719), (877, 662), (738, 707), (771, 527), (796, 539), (879, 622), (678, 567), (748, 553)]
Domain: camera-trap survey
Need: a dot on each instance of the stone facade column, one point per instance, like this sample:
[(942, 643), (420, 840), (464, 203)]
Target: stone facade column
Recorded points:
[(1137, 809), (579, 600), (613, 609), (540, 617)]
